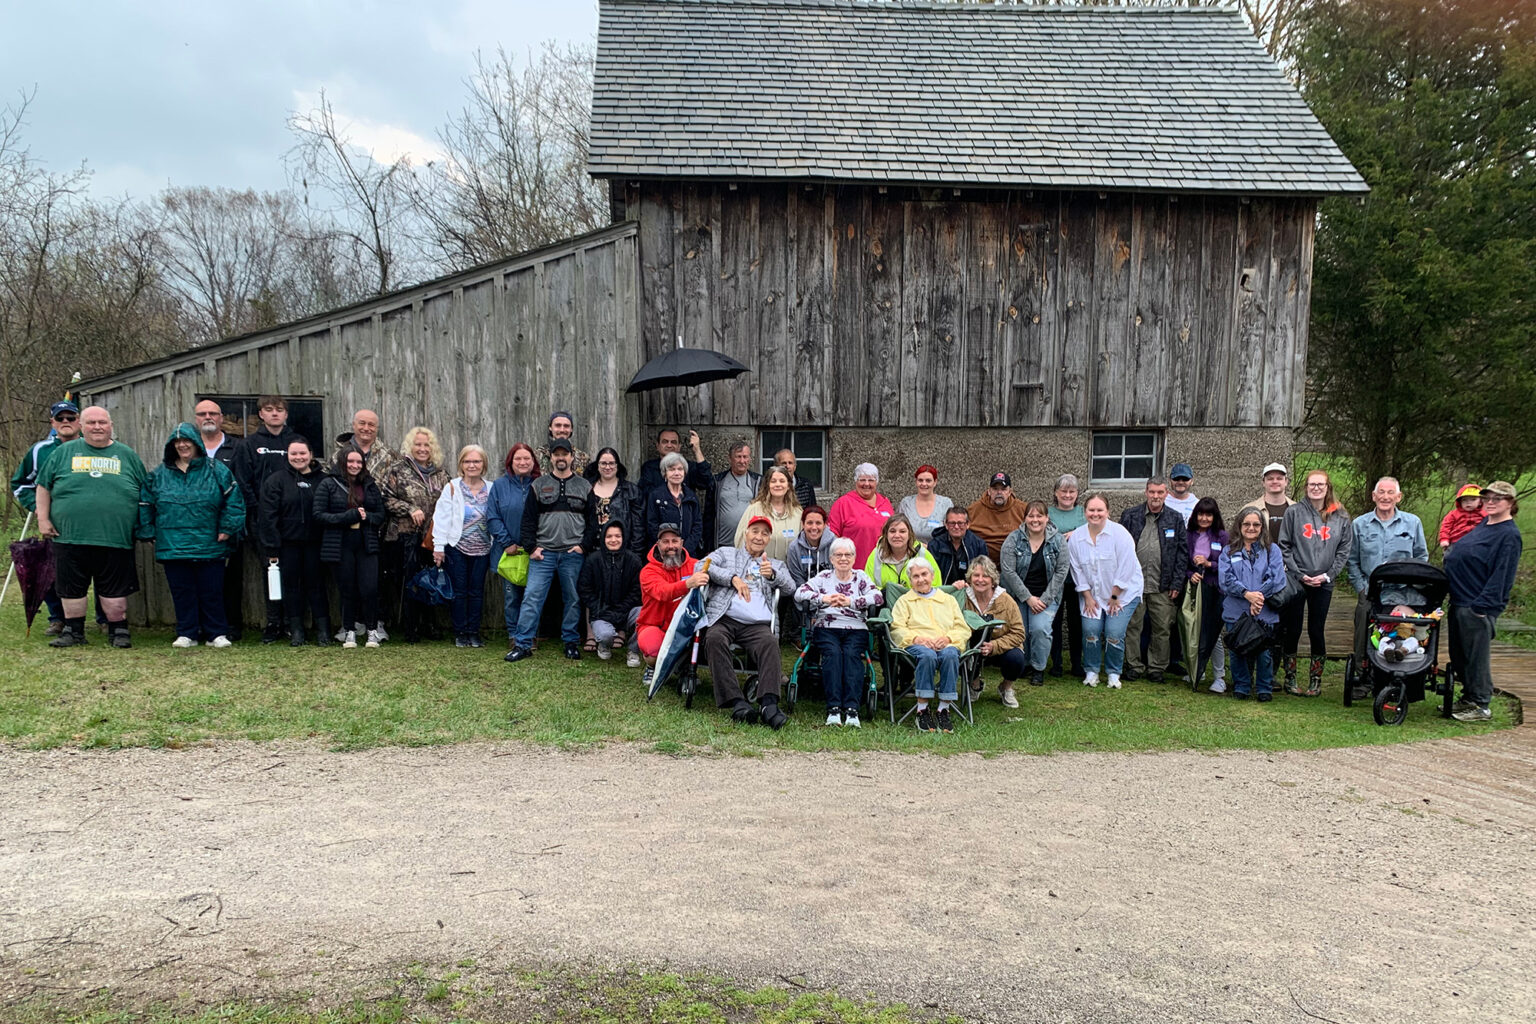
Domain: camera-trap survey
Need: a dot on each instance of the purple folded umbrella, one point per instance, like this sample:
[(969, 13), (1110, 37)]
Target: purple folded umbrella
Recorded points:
[(33, 560)]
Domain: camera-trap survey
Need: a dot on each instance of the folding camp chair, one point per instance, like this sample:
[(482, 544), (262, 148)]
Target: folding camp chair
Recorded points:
[(896, 665)]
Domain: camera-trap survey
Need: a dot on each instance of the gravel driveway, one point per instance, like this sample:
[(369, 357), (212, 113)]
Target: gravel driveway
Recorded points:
[(1361, 885)]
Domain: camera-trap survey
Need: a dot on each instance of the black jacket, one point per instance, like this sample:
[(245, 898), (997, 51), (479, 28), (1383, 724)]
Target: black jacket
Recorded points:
[(699, 476), (288, 508), (609, 584), (259, 456), (953, 565), (805, 494), (659, 509), (336, 515), (1174, 572), (627, 508)]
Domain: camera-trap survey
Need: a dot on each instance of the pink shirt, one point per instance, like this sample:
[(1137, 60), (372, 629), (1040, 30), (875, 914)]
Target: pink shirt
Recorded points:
[(850, 517)]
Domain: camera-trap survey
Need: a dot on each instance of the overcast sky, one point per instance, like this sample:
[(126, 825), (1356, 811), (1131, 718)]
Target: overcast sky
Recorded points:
[(198, 93)]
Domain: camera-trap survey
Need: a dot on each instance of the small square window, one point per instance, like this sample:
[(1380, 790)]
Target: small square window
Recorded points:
[(809, 446), (1122, 458)]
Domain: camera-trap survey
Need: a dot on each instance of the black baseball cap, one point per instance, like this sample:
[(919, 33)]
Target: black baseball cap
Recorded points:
[(668, 528), (1002, 480), (556, 443)]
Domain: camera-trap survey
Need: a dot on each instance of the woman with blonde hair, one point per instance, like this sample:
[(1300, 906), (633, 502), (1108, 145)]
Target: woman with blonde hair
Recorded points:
[(411, 484), (775, 502), (461, 539)]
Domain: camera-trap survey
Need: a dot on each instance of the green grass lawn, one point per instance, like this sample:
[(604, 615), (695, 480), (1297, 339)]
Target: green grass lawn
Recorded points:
[(152, 695), (466, 995)]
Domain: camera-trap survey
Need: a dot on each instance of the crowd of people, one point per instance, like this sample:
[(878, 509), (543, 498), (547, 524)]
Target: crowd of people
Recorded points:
[(1064, 581)]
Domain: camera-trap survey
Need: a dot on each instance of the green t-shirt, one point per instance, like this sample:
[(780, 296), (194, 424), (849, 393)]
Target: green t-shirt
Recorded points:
[(94, 492), (1066, 519)]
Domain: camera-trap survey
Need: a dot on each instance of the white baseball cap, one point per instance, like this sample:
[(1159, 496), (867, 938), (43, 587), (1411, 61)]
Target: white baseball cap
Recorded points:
[(1274, 467)]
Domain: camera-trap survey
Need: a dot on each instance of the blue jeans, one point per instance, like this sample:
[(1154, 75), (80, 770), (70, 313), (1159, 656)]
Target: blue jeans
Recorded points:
[(1104, 638), (1039, 636), (842, 666), (197, 594), (467, 574), (55, 606), (511, 606), (946, 661), (541, 574), (1242, 673)]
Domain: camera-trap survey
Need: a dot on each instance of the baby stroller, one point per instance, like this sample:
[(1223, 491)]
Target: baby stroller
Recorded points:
[(1402, 650)]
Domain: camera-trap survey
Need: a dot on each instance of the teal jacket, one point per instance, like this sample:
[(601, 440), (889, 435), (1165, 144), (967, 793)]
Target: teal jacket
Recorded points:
[(184, 512)]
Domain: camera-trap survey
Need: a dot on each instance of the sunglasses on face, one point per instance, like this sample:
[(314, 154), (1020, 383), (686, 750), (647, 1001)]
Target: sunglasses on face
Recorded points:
[(65, 417)]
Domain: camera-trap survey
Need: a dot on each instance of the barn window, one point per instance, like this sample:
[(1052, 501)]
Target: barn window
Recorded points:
[(809, 446), (1124, 457), (305, 416)]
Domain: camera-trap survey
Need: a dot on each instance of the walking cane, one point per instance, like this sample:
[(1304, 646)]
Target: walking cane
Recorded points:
[(11, 570)]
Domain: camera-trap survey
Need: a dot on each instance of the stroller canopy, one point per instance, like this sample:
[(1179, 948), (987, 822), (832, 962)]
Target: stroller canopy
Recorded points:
[(1427, 579)]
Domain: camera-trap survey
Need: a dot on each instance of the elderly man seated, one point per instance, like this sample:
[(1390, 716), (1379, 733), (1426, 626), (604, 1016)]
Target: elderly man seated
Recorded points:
[(928, 624), (738, 609)]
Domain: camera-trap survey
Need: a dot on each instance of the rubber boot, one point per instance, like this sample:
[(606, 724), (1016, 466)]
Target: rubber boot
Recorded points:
[(1315, 678), (323, 627), (1290, 676), (296, 631)]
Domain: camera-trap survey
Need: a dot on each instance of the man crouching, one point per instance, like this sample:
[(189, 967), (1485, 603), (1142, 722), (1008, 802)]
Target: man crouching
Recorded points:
[(737, 610)]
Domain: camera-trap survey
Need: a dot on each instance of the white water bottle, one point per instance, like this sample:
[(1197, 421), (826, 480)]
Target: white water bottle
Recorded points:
[(274, 582)]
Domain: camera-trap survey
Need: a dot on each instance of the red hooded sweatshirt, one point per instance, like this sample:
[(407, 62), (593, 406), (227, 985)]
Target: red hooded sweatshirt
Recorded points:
[(1457, 524), (662, 590)]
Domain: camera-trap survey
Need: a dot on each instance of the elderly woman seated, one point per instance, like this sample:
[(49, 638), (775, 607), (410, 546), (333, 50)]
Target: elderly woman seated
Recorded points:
[(927, 623)]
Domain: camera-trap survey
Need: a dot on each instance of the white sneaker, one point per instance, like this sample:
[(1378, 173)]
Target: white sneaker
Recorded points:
[(349, 639), (373, 638), (220, 641), (183, 641), (604, 652), (633, 660), (1091, 679), (1114, 681), (380, 633), (851, 722), (1010, 700), (833, 718), (1219, 686)]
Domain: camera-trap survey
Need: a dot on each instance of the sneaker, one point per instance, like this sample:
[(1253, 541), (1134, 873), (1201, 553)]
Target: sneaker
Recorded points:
[(650, 673), (1091, 679), (632, 660), (944, 722), (573, 651), (851, 722), (1264, 698), (518, 654), (1462, 705), (380, 633), (461, 641), (1154, 677), (833, 718), (54, 629), (926, 722), (1473, 714), (120, 638), (221, 642), (1007, 694), (67, 638), (1036, 678), (604, 652), (183, 642), (1114, 681), (349, 639), (976, 690), (475, 641), (1219, 686), (372, 638)]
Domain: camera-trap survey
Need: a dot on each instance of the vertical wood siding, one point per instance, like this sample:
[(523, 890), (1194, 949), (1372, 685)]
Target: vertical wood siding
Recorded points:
[(920, 308)]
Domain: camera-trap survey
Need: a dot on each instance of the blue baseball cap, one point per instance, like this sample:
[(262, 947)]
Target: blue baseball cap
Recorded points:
[(1181, 472), (64, 406)]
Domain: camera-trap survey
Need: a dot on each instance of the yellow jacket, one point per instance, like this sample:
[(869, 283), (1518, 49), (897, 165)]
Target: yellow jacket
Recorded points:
[(932, 614)]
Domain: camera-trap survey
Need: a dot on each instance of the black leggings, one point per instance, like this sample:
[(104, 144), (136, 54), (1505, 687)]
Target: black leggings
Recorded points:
[(1314, 601), (299, 564), (357, 577), (1072, 635)]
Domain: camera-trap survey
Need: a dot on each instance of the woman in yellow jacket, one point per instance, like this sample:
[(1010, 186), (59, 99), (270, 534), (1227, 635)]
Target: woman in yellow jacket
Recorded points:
[(895, 553), (928, 624)]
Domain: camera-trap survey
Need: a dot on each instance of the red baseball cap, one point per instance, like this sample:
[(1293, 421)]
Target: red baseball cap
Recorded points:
[(760, 519)]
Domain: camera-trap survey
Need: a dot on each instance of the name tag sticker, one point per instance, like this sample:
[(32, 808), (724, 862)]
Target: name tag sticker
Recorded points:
[(885, 515), (1167, 533), (1215, 547)]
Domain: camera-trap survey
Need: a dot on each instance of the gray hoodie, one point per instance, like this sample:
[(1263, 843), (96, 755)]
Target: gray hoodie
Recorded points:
[(802, 562), (1315, 543)]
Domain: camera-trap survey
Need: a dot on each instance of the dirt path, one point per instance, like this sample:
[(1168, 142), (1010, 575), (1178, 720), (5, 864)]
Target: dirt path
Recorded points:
[(1074, 888)]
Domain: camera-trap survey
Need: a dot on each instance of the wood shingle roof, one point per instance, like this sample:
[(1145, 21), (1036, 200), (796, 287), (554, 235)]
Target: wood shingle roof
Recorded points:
[(1164, 99)]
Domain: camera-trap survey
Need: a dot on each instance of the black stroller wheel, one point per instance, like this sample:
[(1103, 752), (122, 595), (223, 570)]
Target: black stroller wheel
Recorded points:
[(1391, 704), (1349, 680), (688, 684)]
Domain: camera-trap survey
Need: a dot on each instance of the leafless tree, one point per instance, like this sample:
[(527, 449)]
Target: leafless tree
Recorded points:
[(514, 171), (367, 200)]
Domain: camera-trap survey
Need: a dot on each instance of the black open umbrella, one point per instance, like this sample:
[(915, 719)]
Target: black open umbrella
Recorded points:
[(683, 367), (33, 560)]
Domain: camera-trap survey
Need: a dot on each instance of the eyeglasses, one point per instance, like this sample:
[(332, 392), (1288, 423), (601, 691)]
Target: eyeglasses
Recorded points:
[(1495, 497)]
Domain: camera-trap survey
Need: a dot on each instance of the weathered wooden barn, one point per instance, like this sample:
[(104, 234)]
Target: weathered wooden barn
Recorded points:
[(1041, 239), (983, 236)]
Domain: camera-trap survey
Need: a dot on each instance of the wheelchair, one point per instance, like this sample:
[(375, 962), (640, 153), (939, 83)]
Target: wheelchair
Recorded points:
[(807, 670), (746, 675)]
